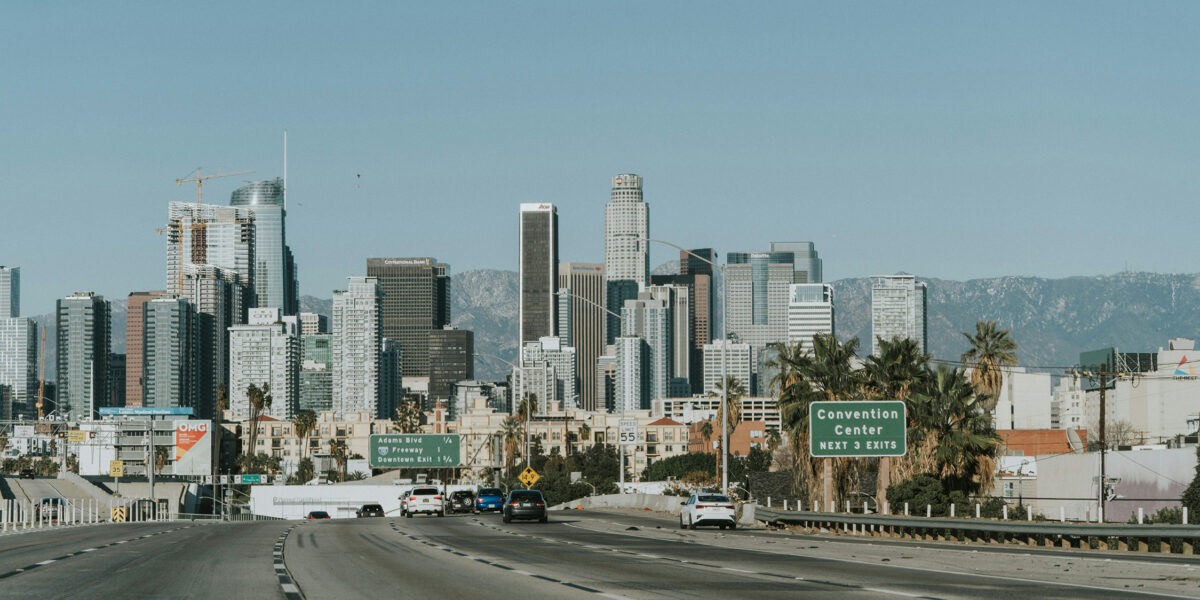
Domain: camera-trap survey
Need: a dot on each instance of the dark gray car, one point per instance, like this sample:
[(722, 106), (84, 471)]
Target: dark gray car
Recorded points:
[(525, 504)]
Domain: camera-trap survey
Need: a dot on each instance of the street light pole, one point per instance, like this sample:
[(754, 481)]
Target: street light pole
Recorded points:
[(724, 358)]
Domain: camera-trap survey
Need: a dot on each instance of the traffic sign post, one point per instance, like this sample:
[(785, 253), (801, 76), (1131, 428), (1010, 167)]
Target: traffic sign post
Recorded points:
[(877, 428), (415, 450), (116, 468), (76, 436), (627, 432), (529, 477)]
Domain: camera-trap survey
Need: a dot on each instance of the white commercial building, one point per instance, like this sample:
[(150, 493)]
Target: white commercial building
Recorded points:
[(266, 350), (357, 343), (1156, 406), (551, 352), (898, 310), (738, 364), (810, 311), (632, 385), (1069, 408), (626, 247), (649, 317), (1024, 401)]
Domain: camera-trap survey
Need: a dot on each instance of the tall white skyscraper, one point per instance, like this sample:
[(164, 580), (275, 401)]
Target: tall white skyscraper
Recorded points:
[(18, 367), (738, 364), (560, 357), (207, 234), (357, 344), (898, 310), (632, 385), (810, 311), (651, 317), (758, 296), (10, 292), (265, 350), (626, 253)]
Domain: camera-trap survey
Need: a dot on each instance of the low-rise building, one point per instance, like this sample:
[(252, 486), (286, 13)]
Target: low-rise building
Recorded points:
[(746, 435)]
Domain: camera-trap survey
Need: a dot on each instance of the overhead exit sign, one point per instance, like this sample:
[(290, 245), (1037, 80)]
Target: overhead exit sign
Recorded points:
[(857, 429), (414, 450)]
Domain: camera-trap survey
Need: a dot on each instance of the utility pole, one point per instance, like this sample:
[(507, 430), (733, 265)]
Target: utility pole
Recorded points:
[(1103, 440)]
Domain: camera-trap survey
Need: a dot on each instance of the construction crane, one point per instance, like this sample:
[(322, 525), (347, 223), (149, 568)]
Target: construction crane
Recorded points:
[(199, 240), (42, 376)]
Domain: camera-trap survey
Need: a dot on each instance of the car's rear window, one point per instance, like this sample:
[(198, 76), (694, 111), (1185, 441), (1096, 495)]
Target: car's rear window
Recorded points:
[(490, 492), (372, 507), (425, 492), (523, 496), (713, 499), (461, 494)]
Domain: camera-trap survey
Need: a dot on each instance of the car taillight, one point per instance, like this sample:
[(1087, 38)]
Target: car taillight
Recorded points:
[(437, 497), (729, 506), (541, 503), (513, 503), (412, 498), (479, 501), (701, 506)]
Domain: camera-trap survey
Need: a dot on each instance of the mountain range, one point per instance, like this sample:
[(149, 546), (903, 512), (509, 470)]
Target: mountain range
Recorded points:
[(1052, 320)]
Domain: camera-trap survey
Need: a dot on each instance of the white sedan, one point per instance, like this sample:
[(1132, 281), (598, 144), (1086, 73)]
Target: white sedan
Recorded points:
[(705, 508)]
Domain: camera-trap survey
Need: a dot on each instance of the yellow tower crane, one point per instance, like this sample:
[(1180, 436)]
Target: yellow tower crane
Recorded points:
[(199, 240)]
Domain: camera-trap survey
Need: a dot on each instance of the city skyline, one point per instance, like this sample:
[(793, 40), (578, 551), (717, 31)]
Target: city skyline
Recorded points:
[(827, 116)]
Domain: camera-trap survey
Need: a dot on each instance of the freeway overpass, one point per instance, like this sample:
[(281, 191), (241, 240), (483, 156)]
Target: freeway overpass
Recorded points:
[(580, 554)]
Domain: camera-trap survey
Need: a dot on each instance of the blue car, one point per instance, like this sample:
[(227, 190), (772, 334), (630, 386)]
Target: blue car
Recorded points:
[(489, 500)]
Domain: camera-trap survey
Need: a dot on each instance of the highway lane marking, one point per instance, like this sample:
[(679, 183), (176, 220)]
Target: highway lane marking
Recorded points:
[(922, 569), (43, 563), (506, 567), (287, 584)]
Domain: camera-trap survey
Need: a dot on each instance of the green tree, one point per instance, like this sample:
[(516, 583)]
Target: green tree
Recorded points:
[(585, 434), (222, 402), (259, 399), (991, 349), (407, 417), (305, 471), (733, 400), (899, 370), (954, 431), (304, 423), (1191, 495), (678, 466), (512, 433), (339, 452)]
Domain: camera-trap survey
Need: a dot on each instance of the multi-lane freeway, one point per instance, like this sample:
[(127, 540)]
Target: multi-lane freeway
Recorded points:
[(578, 554)]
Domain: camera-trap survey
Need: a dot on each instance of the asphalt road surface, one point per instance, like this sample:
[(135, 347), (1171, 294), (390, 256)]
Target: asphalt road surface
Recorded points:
[(579, 554)]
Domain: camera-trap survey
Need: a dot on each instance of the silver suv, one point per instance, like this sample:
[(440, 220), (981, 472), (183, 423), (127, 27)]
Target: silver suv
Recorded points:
[(425, 499)]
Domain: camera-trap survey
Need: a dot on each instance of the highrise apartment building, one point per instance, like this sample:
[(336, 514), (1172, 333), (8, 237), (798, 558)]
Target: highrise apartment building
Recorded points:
[(10, 292), (538, 311), (416, 301), (84, 342), (134, 307), (898, 310), (313, 323), (357, 344), (626, 249), (584, 283), (316, 372), (18, 367), (265, 350), (739, 364), (562, 362), (451, 360), (697, 276), (654, 316), (169, 355), (275, 280), (631, 385), (810, 311), (217, 296)]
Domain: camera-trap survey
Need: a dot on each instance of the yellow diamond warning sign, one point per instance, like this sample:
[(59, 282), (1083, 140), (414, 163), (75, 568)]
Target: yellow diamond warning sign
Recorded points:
[(529, 477)]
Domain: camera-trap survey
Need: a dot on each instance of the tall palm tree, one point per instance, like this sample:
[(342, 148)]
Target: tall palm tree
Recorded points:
[(585, 433), (900, 370), (259, 400), (337, 448), (305, 422), (222, 402), (956, 431), (706, 432), (991, 349), (733, 399), (512, 432), (528, 407)]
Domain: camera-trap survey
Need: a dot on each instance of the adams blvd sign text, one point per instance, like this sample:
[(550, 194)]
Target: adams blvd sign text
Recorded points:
[(391, 450), (869, 428)]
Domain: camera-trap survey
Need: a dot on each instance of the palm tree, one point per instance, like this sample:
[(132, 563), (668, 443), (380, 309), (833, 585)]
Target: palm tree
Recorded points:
[(585, 432), (222, 402), (337, 448), (305, 423), (991, 348), (896, 373), (528, 407), (512, 432), (773, 441), (160, 458), (733, 399), (956, 431), (407, 417), (706, 432), (259, 400)]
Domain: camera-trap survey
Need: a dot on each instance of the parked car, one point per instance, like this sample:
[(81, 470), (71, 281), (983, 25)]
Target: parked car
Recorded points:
[(27, 473), (317, 514), (705, 508), (525, 504), (369, 510), (462, 501), (426, 500), (489, 500)]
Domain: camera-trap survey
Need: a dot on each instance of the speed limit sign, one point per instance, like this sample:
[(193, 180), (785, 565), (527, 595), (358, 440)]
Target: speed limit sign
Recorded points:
[(627, 432)]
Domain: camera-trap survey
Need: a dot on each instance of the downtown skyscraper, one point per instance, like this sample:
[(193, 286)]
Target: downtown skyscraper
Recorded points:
[(170, 349), (357, 345), (18, 350), (275, 280), (10, 292), (584, 284), (415, 302), (265, 350), (626, 249), (697, 276), (84, 341), (898, 310), (538, 279)]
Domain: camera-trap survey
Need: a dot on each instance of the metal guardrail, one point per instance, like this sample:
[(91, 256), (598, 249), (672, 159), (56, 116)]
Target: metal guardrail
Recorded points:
[(1018, 528)]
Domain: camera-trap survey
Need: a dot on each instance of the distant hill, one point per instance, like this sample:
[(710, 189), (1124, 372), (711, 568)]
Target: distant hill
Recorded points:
[(1053, 320)]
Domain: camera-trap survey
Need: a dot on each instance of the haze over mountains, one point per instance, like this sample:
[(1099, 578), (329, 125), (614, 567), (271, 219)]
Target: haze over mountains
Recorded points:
[(1052, 319)]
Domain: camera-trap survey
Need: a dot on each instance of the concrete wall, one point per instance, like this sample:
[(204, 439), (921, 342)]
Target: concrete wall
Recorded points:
[(1149, 479), (340, 501)]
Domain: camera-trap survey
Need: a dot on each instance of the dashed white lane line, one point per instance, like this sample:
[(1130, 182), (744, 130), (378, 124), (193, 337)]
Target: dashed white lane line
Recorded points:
[(45, 562), (892, 592)]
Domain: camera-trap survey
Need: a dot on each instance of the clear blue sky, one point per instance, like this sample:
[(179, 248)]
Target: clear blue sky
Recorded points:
[(953, 140)]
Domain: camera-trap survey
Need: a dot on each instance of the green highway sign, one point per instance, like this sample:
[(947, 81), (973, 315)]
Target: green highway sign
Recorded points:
[(250, 478), (414, 450), (869, 428)]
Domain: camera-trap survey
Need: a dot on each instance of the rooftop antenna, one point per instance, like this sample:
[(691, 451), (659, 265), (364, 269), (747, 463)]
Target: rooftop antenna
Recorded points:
[(284, 169)]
